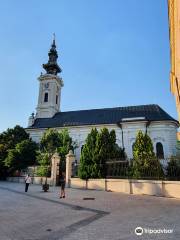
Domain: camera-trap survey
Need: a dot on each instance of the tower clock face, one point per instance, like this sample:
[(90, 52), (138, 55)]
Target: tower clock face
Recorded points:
[(46, 85)]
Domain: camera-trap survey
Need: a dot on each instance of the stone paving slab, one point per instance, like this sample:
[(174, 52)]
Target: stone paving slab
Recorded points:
[(111, 216)]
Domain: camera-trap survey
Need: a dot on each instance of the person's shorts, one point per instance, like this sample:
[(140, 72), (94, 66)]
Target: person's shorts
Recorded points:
[(63, 186)]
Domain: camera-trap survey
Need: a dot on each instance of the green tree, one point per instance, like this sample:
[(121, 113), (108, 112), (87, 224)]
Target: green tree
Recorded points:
[(103, 152), (22, 156), (3, 168), (87, 159), (43, 170), (53, 141), (8, 141), (118, 153), (12, 136), (99, 147), (84, 170), (106, 150), (50, 141), (145, 164), (66, 144)]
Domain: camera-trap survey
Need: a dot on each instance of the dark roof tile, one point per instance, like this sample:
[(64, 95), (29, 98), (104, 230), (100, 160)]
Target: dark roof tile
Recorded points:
[(103, 116)]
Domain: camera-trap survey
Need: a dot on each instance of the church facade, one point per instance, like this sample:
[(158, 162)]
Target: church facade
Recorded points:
[(126, 121)]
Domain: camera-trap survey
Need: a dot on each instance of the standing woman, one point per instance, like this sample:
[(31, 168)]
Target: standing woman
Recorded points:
[(62, 180)]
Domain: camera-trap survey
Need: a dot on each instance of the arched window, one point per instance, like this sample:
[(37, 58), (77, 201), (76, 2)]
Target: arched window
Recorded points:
[(46, 97), (159, 150), (56, 99), (133, 147)]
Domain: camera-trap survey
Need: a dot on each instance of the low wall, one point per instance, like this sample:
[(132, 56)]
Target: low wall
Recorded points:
[(98, 184), (131, 186), (171, 189), (78, 183), (149, 187), (118, 185), (35, 180), (15, 179)]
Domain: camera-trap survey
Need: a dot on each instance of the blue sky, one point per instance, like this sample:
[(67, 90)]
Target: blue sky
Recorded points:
[(113, 53)]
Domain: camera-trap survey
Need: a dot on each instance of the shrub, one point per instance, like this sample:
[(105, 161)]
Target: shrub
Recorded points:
[(145, 164), (173, 169)]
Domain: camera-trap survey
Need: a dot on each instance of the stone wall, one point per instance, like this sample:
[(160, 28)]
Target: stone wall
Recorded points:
[(131, 186)]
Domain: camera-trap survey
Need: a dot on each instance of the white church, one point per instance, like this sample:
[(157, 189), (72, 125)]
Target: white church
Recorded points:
[(126, 121)]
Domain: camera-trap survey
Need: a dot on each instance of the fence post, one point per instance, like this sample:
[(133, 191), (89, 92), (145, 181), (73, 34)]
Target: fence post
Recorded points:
[(163, 188), (130, 186), (54, 168), (70, 157)]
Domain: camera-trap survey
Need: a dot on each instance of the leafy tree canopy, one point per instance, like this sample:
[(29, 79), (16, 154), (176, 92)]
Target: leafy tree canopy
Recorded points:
[(44, 162), (50, 141), (54, 141), (66, 144), (22, 156), (8, 141)]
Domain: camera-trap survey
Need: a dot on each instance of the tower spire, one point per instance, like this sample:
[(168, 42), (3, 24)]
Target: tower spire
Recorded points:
[(54, 38), (52, 66)]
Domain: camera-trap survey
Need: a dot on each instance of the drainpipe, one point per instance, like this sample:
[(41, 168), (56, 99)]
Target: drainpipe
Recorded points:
[(120, 126), (147, 125)]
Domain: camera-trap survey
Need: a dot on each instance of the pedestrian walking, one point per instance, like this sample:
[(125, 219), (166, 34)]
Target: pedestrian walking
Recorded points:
[(62, 181), (27, 182)]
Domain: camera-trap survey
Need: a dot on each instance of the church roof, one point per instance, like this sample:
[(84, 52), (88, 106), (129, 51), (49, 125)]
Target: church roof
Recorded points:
[(104, 116)]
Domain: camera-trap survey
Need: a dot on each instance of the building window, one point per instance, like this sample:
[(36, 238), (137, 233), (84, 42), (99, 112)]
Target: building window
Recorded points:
[(133, 147), (46, 97), (56, 99), (159, 150)]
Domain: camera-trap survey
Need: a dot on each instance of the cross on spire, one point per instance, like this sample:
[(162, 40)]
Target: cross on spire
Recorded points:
[(54, 39)]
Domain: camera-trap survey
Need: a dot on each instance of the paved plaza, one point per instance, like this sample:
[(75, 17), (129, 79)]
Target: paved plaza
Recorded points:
[(111, 216)]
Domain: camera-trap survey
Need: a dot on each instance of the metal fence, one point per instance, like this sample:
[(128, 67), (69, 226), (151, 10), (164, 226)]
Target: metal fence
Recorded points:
[(33, 171), (116, 169), (75, 166), (124, 169)]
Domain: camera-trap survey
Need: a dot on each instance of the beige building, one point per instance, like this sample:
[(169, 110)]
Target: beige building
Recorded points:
[(174, 31)]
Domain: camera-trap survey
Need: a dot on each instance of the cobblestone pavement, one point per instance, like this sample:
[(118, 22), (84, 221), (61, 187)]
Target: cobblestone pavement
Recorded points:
[(111, 216)]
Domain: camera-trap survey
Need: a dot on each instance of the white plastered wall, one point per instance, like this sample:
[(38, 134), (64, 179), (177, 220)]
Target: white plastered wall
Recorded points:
[(164, 132)]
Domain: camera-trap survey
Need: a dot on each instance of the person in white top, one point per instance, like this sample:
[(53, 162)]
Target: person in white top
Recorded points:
[(27, 182)]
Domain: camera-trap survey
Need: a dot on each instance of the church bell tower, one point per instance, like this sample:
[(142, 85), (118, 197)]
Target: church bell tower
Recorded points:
[(50, 85)]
